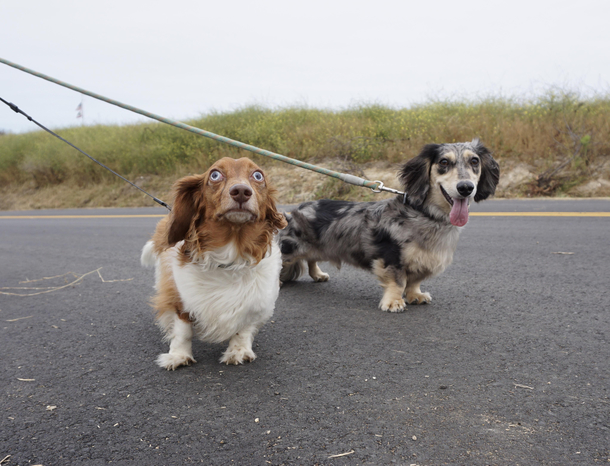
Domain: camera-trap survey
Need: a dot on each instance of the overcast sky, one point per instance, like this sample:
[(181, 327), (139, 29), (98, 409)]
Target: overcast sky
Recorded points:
[(184, 59)]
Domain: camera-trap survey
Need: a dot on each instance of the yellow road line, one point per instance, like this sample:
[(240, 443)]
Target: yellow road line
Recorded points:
[(78, 216), (474, 214), (540, 214)]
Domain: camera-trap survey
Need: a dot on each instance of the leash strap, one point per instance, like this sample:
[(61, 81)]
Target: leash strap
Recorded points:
[(376, 186)]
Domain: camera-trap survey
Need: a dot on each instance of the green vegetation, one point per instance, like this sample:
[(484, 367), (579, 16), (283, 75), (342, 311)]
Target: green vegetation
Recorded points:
[(563, 139)]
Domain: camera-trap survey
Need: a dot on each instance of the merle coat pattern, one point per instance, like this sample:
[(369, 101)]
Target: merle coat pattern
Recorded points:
[(403, 240)]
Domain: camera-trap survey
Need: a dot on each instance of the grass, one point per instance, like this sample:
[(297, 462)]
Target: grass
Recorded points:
[(556, 130)]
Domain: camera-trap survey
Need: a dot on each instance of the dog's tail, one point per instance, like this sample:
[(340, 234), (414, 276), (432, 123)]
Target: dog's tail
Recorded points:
[(292, 270), (148, 257)]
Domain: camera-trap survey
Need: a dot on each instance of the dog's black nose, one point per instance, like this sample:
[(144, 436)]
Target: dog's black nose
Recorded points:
[(465, 188), (240, 193)]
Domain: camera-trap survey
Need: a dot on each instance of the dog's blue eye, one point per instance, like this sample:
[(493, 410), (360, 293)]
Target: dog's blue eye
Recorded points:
[(215, 176), (258, 176)]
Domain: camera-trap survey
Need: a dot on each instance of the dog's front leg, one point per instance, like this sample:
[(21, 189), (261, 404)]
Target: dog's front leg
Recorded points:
[(414, 293), (393, 282), (180, 346), (240, 347), (315, 273)]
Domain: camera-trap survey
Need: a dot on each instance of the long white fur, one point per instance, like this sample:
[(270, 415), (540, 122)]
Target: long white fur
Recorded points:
[(226, 296), (180, 347), (148, 257)]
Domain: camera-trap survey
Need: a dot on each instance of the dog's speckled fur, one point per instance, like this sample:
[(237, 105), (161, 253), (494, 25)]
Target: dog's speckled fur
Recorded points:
[(402, 243)]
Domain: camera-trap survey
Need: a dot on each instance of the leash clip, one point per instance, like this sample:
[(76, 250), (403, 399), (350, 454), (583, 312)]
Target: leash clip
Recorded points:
[(379, 187)]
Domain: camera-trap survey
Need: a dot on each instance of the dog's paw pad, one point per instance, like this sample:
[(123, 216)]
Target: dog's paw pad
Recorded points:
[(419, 298), (171, 361), (237, 356), (393, 306)]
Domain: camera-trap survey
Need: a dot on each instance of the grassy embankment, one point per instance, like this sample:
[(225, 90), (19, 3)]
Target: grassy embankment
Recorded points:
[(555, 145)]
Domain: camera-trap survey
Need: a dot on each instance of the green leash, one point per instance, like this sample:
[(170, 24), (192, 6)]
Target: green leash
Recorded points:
[(376, 186)]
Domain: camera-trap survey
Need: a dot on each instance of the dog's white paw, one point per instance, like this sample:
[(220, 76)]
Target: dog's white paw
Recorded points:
[(321, 277), (396, 305), (237, 355), (171, 361), (418, 298)]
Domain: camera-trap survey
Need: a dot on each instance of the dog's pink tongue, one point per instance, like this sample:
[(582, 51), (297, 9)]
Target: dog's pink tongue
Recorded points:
[(459, 212)]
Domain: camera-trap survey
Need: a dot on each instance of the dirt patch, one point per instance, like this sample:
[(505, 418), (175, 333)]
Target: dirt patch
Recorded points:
[(66, 196), (297, 185), (512, 179), (594, 188), (294, 185)]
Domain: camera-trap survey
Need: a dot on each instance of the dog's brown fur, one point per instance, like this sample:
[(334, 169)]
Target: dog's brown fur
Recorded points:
[(229, 205), (200, 207)]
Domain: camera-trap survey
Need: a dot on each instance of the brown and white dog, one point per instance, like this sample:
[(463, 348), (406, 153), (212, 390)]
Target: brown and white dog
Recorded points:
[(217, 261)]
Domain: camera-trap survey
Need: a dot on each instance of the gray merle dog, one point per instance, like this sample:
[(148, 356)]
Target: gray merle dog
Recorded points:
[(403, 240)]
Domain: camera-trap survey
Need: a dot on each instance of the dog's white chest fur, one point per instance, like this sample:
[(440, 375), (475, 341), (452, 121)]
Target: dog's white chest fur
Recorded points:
[(224, 293), (433, 259)]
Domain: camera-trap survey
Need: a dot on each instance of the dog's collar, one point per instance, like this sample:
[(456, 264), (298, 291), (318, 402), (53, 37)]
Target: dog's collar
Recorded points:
[(187, 253), (225, 266), (419, 208), (405, 201), (245, 262)]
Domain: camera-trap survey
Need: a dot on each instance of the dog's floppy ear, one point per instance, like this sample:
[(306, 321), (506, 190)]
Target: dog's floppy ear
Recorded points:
[(415, 175), (275, 218), (187, 205), (490, 172)]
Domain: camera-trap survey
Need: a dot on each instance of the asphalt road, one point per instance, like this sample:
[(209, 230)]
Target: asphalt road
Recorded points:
[(510, 364)]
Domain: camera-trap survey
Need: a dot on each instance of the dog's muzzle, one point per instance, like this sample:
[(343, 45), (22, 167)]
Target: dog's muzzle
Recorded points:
[(465, 188), (459, 205)]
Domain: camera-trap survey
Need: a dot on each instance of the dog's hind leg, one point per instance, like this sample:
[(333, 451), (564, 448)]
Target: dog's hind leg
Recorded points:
[(393, 282), (240, 347), (315, 273), (414, 294), (180, 349)]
